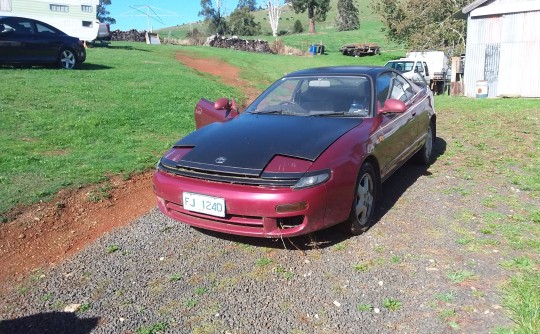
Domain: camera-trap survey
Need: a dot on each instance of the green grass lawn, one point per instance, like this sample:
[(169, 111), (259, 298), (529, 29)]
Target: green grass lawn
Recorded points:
[(115, 115)]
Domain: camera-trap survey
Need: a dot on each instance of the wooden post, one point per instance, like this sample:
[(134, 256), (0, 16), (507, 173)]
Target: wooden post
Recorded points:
[(456, 82)]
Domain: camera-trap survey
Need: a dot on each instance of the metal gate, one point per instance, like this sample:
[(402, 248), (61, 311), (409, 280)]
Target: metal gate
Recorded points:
[(491, 67)]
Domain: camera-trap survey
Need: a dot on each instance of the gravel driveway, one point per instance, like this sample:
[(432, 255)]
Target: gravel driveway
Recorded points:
[(407, 274)]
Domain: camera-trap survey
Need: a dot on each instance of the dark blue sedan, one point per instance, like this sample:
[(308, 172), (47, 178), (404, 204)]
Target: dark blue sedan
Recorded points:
[(28, 41)]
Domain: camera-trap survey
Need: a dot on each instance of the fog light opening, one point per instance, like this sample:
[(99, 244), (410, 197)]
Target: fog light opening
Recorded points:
[(292, 207), (290, 222)]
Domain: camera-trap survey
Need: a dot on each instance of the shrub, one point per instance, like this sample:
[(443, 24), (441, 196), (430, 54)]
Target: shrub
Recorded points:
[(298, 28), (195, 37)]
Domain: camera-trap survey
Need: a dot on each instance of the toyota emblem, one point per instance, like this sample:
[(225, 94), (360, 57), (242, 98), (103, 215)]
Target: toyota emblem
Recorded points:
[(221, 160)]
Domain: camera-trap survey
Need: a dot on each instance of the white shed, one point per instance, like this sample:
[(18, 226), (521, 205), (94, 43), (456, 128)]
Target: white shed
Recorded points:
[(503, 47), (76, 18)]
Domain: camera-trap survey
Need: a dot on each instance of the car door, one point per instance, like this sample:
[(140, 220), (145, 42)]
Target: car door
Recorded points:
[(396, 131), (207, 112), (23, 46), (47, 42), (420, 103), (10, 45)]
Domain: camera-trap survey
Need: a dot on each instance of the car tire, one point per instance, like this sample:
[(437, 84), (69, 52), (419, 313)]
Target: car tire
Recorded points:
[(425, 155), (67, 59), (364, 200)]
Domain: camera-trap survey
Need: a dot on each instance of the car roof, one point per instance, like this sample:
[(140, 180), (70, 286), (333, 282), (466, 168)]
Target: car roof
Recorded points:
[(35, 21), (16, 17), (372, 71), (22, 18)]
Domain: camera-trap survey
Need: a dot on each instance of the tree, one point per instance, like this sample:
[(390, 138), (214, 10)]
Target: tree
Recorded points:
[(251, 5), (347, 16), (275, 8), (316, 9), (195, 37), (242, 23), (424, 24), (213, 17), (298, 28), (102, 14)]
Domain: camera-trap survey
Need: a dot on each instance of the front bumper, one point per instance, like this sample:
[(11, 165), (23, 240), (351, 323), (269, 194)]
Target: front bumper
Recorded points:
[(250, 210)]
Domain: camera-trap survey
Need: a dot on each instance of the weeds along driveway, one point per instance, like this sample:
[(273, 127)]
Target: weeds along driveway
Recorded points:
[(410, 273)]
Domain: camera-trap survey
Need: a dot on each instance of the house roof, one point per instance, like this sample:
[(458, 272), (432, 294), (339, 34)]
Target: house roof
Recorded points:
[(496, 9), (462, 14), (472, 6)]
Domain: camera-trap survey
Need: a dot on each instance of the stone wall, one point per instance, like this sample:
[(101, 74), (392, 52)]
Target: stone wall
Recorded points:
[(236, 43)]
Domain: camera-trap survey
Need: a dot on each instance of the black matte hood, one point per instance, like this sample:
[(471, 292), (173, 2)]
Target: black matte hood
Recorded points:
[(247, 143)]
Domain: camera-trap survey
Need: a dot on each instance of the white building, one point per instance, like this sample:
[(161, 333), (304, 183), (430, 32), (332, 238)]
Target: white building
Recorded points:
[(76, 18), (503, 47)]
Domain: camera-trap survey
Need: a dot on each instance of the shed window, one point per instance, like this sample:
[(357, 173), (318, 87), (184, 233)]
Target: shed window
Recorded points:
[(59, 8), (86, 8), (5, 5)]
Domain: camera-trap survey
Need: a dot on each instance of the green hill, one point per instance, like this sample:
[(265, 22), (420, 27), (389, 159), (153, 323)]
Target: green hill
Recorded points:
[(370, 30)]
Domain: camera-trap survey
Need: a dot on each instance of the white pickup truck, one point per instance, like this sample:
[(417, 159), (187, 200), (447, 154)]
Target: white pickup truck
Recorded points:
[(416, 70), (424, 67)]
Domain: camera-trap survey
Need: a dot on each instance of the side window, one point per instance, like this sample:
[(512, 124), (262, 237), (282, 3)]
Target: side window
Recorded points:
[(408, 66), (426, 68), (383, 88), (20, 26), (41, 29), (405, 89), (6, 27), (303, 87), (419, 67)]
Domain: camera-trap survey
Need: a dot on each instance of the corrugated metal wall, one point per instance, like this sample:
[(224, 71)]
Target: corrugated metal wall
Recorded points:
[(520, 55), (505, 51)]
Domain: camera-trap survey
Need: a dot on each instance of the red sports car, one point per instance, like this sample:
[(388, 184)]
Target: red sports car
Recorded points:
[(310, 152)]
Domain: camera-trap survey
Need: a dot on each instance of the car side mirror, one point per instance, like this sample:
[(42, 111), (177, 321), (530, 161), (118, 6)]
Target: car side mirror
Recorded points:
[(227, 105), (393, 106), (222, 104)]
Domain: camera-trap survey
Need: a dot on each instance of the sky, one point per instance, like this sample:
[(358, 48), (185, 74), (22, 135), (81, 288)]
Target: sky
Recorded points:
[(132, 14)]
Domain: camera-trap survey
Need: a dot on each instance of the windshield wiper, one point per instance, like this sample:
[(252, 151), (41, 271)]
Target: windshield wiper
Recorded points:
[(338, 113), (267, 111)]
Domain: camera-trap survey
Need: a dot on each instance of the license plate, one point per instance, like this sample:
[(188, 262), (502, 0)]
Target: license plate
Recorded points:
[(209, 205)]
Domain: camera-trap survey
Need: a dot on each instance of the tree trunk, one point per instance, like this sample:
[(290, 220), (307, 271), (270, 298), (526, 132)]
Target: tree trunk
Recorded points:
[(311, 19), (311, 26)]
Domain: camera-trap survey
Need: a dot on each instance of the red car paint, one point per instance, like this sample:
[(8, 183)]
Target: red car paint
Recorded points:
[(386, 139)]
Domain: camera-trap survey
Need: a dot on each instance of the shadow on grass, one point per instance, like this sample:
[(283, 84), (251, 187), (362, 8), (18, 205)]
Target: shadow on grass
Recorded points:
[(80, 67), (92, 67), (392, 190), (53, 322), (127, 47)]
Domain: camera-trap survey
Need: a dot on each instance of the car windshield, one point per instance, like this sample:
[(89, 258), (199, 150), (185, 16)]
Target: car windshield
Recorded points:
[(401, 66), (348, 96)]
